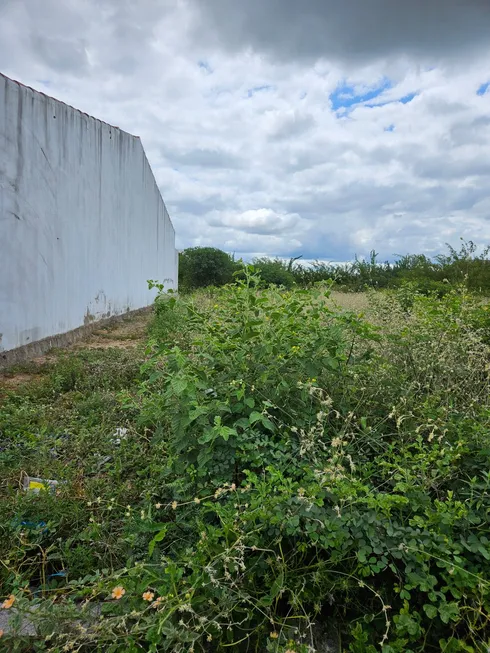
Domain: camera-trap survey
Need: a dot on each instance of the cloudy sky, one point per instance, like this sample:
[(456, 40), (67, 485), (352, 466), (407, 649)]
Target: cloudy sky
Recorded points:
[(284, 127)]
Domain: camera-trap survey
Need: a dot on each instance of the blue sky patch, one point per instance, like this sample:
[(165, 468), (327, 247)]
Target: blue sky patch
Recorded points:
[(345, 96), (204, 65), (403, 100), (407, 98), (483, 88), (257, 89), (390, 128)]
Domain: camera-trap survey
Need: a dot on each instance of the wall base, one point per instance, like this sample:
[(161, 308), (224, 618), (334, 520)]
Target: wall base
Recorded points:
[(61, 340)]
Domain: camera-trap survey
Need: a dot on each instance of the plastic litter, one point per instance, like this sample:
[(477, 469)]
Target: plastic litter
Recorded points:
[(30, 526), (36, 485), (103, 460), (35, 525), (120, 434)]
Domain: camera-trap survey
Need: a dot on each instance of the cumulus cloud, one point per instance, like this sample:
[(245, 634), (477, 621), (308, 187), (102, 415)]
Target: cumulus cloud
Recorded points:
[(258, 221), (283, 128)]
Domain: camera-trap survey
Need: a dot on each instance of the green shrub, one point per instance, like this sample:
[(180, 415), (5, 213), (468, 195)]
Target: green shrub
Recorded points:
[(273, 272), (204, 266)]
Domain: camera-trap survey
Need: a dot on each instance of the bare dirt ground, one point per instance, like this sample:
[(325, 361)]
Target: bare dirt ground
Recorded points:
[(123, 335), (126, 334)]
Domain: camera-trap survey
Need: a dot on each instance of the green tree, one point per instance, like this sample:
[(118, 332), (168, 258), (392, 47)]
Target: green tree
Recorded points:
[(274, 272), (204, 266)]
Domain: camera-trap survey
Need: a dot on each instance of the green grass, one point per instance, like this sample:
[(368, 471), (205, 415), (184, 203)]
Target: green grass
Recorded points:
[(60, 425)]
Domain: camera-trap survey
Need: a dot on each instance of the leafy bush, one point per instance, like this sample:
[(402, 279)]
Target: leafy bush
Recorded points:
[(273, 272), (204, 266), (320, 472)]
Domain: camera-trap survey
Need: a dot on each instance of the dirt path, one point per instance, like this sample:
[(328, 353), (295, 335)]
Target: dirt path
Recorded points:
[(128, 333)]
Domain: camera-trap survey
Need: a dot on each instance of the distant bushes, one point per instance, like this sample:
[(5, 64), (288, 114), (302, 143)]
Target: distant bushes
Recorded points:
[(200, 267), (204, 266), (207, 266), (425, 275)]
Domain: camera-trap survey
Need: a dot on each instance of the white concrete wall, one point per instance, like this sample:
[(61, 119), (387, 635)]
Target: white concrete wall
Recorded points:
[(82, 223)]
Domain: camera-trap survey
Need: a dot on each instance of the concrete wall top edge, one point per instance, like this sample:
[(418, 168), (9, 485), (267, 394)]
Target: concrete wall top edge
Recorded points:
[(50, 97)]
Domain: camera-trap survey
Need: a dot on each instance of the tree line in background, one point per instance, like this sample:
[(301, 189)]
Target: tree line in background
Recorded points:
[(200, 267)]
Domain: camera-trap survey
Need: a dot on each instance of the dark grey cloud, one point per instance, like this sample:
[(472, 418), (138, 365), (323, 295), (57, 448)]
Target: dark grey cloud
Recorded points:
[(354, 30)]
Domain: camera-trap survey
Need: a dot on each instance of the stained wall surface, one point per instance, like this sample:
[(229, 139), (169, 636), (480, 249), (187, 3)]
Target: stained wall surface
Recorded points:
[(82, 223)]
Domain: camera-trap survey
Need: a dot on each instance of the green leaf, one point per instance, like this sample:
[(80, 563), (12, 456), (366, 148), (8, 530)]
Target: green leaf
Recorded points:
[(449, 612), (178, 385), (255, 417), (226, 432), (155, 376), (158, 538), (209, 435), (250, 402), (430, 610), (268, 424), (277, 586)]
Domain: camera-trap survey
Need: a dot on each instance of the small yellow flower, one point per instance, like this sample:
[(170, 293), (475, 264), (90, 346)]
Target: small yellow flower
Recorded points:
[(233, 486), (273, 635), (118, 592), (8, 603), (158, 506), (197, 500), (174, 505), (209, 638), (148, 596)]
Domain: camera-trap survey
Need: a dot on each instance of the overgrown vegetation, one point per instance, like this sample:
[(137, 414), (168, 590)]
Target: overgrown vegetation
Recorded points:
[(418, 272), (291, 473)]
